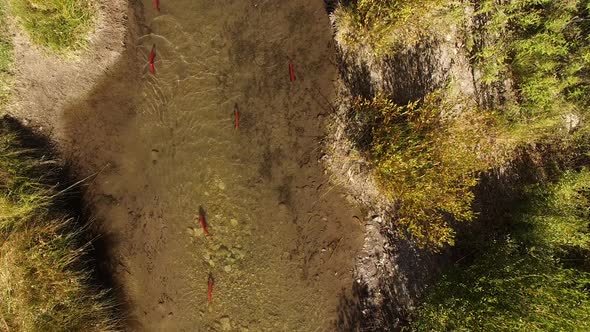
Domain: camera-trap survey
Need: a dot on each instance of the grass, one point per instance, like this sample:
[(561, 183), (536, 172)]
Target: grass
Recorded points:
[(383, 27), (427, 157), (60, 25), (45, 278), (5, 60), (535, 277)]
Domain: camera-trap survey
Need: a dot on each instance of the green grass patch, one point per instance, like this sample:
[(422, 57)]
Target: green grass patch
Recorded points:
[(544, 46), (534, 279), (45, 281), (61, 25)]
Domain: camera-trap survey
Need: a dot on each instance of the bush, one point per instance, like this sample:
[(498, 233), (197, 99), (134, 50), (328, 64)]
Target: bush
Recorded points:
[(427, 156), (544, 47), (526, 281)]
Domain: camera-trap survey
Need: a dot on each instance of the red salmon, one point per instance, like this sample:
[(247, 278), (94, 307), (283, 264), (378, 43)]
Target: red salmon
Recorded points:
[(202, 220), (236, 116), (291, 72), (157, 3), (152, 58), (210, 288)]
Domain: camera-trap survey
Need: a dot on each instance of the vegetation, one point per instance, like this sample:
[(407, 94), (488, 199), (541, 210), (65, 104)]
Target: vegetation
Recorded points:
[(5, 59), (426, 158), (60, 25), (531, 59), (45, 283), (534, 278), (381, 27), (544, 46), (534, 61)]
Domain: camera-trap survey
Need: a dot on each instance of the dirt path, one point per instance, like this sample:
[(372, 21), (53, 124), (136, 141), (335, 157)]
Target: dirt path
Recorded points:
[(283, 240), (45, 83)]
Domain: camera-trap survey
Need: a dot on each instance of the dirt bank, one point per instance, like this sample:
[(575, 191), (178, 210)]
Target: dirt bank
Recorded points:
[(45, 83), (391, 272), (284, 238)]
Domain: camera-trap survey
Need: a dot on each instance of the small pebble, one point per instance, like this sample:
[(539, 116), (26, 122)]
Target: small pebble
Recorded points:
[(225, 323), (221, 185)]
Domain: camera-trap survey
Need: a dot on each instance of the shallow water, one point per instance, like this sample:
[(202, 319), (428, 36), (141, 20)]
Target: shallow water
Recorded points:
[(283, 239)]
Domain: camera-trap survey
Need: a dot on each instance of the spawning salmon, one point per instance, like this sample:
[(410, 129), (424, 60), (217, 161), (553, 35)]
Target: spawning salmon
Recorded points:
[(291, 72), (210, 282), (152, 58), (202, 220), (236, 116)]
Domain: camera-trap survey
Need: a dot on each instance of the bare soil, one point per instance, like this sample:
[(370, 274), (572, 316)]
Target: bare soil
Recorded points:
[(46, 83)]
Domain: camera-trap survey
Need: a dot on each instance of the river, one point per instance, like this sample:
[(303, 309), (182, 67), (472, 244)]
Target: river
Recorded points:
[(283, 239)]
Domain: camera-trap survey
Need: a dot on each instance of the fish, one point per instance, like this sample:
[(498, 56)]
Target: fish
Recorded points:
[(152, 58), (202, 220), (291, 71), (157, 3), (210, 283), (236, 116)]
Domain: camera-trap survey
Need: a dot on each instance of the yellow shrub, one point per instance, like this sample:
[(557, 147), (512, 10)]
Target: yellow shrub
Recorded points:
[(427, 157)]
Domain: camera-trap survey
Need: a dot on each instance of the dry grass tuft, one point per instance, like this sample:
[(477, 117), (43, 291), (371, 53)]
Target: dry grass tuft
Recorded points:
[(45, 280)]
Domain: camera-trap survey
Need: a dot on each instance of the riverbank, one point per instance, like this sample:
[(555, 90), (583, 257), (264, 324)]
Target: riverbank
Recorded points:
[(50, 280), (46, 82), (439, 101)]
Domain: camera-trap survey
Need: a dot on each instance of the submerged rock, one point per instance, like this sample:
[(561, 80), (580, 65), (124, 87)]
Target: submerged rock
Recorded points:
[(225, 323)]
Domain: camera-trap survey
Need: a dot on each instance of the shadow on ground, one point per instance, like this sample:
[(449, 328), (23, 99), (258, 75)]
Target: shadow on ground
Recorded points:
[(400, 284), (60, 174)]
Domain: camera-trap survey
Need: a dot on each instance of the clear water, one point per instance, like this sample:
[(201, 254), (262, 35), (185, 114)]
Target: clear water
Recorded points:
[(282, 238)]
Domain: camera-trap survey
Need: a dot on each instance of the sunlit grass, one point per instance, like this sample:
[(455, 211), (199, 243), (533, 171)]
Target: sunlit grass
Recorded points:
[(60, 25), (5, 59), (534, 278), (45, 280)]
